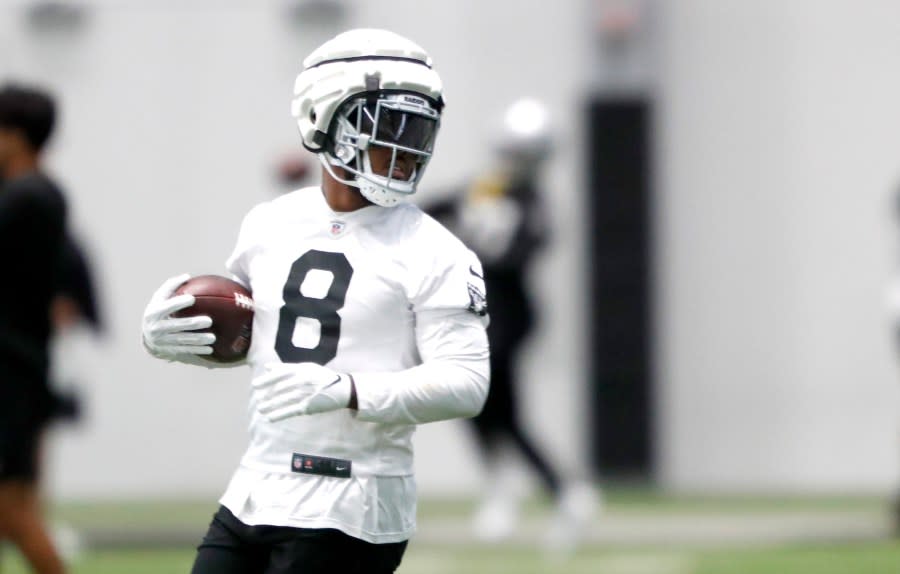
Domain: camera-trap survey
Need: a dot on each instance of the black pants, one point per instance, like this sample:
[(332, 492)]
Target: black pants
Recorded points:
[(232, 547), (500, 420)]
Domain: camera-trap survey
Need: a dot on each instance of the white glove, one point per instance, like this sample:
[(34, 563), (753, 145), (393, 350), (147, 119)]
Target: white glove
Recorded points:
[(171, 338), (291, 390)]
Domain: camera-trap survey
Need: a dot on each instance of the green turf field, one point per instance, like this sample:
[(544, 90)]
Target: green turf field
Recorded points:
[(869, 558), (157, 537)]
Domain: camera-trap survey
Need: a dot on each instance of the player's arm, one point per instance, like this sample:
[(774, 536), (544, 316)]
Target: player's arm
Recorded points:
[(452, 381)]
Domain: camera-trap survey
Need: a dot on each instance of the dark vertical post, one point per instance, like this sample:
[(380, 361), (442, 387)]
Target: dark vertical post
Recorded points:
[(619, 258)]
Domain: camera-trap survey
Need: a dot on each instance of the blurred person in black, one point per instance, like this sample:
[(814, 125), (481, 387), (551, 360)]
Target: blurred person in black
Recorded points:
[(75, 299), (32, 232), (501, 217), (74, 313)]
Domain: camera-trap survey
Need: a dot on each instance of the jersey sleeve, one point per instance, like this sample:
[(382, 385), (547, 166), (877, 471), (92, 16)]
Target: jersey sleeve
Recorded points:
[(452, 381), (448, 300), (451, 278)]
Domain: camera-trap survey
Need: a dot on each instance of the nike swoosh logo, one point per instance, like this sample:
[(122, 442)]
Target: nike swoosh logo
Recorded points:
[(340, 468), (473, 272), (333, 383)]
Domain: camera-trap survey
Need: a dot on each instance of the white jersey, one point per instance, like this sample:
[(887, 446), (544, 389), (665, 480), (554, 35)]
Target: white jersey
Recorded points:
[(385, 294)]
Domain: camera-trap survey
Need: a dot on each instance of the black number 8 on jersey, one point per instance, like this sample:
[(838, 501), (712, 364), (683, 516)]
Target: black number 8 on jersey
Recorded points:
[(324, 310)]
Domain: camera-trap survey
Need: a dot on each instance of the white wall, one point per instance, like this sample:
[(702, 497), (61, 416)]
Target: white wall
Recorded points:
[(174, 113), (778, 138), (779, 150)]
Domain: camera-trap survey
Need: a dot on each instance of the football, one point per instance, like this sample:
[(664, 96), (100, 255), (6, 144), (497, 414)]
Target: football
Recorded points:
[(230, 306)]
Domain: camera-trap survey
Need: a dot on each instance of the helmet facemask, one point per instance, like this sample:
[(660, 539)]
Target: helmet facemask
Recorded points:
[(402, 123)]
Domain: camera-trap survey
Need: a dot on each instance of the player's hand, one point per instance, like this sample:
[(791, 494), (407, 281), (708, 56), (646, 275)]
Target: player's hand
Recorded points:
[(290, 390), (169, 337)]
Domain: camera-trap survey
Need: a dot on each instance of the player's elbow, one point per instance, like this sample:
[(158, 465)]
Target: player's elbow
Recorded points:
[(478, 384), (477, 405)]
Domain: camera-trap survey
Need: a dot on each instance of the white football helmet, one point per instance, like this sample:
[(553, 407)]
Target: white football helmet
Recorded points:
[(367, 88), (525, 134)]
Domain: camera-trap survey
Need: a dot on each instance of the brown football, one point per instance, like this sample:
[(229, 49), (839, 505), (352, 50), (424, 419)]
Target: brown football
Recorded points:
[(230, 306)]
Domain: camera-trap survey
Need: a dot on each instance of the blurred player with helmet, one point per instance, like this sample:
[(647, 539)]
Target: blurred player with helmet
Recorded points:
[(369, 319), (501, 217)]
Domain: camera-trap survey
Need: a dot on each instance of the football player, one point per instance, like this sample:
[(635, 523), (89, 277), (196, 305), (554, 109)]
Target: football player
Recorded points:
[(369, 320), (32, 231)]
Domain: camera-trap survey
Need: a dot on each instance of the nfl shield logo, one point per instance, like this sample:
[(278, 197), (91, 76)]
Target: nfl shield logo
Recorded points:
[(337, 227)]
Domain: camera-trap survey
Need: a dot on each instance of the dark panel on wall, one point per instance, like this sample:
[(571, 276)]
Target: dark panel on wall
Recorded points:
[(619, 259)]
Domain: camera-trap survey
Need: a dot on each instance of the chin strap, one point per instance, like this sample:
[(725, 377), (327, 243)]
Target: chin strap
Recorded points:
[(325, 160), (374, 191)]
